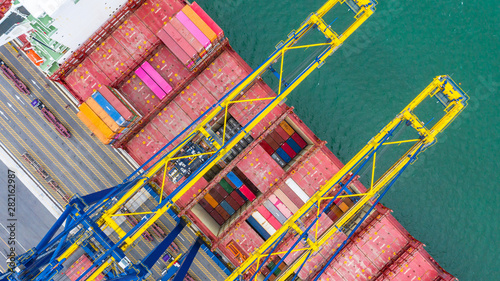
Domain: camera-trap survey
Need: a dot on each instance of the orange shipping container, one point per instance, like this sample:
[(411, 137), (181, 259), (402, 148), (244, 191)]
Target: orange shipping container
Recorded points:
[(92, 127), (199, 23), (103, 115), (98, 123)]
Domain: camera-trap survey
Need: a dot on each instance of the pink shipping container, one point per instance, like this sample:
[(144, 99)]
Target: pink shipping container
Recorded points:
[(208, 20), (283, 209), (174, 48), (188, 36), (156, 77), (269, 217), (288, 203), (183, 43), (194, 30), (152, 85)]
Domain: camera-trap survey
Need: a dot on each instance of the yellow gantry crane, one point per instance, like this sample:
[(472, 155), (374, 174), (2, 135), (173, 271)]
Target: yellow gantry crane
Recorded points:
[(448, 94), (363, 10)]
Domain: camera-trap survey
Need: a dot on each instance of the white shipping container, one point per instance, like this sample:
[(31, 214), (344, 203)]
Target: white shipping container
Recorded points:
[(296, 188)]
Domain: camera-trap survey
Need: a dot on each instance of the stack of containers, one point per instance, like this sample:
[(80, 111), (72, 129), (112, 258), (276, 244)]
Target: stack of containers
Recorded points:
[(190, 35), (153, 80), (226, 198), (283, 144), (105, 115), (208, 20)]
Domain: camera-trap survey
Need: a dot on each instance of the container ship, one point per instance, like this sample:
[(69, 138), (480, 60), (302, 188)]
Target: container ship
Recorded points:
[(156, 67)]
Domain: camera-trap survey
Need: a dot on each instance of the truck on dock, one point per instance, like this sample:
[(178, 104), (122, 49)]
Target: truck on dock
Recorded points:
[(51, 118), (13, 77)]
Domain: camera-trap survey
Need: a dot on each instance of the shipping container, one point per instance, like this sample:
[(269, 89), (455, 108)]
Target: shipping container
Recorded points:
[(227, 207), (264, 223), (225, 215), (227, 187), (284, 135), (222, 192), (288, 129), (277, 138), (281, 207), (178, 52), (270, 218), (292, 195), (113, 106), (299, 140), (183, 43), (188, 36), (275, 211), (99, 124), (267, 147), (215, 195), (210, 200), (190, 13), (208, 20), (110, 122), (238, 198), (297, 190), (284, 198), (274, 145), (288, 150), (258, 228), (156, 77), (205, 205), (234, 179), (93, 128), (283, 155), (232, 203), (194, 30), (217, 217), (150, 83), (278, 160), (241, 195), (247, 193), (343, 206), (293, 145)]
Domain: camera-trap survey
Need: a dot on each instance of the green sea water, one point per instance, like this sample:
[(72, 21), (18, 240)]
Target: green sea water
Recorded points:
[(449, 199)]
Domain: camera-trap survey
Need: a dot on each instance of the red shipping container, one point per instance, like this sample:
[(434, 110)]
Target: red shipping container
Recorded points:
[(183, 43), (267, 147), (208, 20), (174, 47), (205, 205), (274, 145), (292, 196), (232, 203), (216, 195), (188, 36), (299, 140), (269, 217), (277, 138), (217, 217), (237, 198), (225, 215), (283, 134), (248, 194), (289, 150), (221, 191)]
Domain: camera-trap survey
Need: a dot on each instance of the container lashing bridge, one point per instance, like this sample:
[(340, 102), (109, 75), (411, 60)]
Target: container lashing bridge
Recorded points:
[(90, 219)]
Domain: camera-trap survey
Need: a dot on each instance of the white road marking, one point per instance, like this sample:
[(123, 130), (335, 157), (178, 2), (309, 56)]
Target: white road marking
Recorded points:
[(10, 105), (4, 116), (34, 83), (18, 98)]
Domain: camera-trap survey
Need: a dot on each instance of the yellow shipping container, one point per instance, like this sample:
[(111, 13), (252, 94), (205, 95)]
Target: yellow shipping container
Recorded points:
[(98, 123), (103, 115), (92, 127), (193, 16)]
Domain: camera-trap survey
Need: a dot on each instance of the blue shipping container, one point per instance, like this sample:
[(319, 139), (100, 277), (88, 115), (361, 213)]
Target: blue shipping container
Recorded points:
[(258, 228), (234, 179), (227, 207), (282, 154), (293, 144), (275, 212), (103, 102)]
